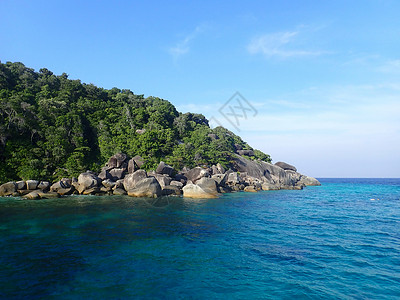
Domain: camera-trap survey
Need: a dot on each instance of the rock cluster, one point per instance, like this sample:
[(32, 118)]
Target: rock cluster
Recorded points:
[(124, 176)]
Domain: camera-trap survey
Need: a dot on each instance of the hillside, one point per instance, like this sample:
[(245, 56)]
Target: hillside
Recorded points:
[(53, 127)]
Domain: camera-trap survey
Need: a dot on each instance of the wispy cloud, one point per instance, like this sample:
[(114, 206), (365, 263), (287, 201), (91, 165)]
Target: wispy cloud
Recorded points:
[(278, 45), (391, 66), (183, 46)]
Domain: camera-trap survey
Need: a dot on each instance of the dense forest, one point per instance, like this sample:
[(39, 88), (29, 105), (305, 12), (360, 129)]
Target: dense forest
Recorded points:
[(53, 127)]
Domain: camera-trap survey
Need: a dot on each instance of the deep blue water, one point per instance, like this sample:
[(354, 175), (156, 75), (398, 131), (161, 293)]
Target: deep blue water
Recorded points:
[(337, 241)]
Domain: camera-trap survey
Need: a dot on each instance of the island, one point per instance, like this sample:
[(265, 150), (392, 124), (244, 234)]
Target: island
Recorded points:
[(53, 130)]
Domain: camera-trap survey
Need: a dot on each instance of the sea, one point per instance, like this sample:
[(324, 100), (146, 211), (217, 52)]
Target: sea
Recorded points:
[(340, 240)]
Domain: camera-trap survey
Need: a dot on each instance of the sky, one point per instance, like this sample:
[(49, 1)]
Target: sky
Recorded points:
[(312, 83)]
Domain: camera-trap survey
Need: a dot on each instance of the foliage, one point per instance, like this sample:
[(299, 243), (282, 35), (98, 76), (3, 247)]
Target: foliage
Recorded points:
[(51, 126)]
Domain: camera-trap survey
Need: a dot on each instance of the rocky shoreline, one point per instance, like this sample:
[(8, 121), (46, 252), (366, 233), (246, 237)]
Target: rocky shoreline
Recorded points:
[(124, 176)]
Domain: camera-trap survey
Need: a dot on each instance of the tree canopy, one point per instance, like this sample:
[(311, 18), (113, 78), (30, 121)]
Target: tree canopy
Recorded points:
[(53, 127)]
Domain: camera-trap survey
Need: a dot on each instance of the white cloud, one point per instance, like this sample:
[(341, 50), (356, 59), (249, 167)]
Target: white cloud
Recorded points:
[(278, 44), (183, 46), (391, 66)]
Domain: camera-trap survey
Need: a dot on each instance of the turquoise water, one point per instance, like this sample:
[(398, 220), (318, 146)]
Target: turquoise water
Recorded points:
[(337, 241)]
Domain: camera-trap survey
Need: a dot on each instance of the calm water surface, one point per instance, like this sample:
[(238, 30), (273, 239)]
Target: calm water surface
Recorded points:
[(337, 241)]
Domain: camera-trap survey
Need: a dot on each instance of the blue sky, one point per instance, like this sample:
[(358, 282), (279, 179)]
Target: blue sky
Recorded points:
[(324, 76)]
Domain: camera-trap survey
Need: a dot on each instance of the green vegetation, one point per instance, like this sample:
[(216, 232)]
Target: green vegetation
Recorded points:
[(52, 127)]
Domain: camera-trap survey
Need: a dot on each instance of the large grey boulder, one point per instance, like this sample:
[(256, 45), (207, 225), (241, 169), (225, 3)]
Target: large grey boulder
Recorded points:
[(209, 185), (309, 181), (86, 181), (232, 178), (21, 185), (8, 189), (176, 183), (195, 191), (31, 184), (117, 173), (105, 174), (32, 195), (196, 173), (147, 187), (171, 190), (285, 166), (109, 184), (61, 184), (163, 180), (117, 160), (44, 185), (131, 180), (220, 179), (119, 192), (163, 168), (132, 166), (139, 161)]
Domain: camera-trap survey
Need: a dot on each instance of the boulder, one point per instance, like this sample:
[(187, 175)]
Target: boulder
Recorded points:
[(59, 185), (147, 187), (308, 181), (22, 192), (269, 186), (108, 183), (195, 191), (197, 173), (117, 160), (119, 191), (31, 184), (33, 195), (177, 183), (139, 161), (220, 169), (214, 170), (220, 179), (119, 184), (21, 185), (131, 180), (91, 191), (225, 189), (132, 166), (87, 180), (117, 173), (285, 166), (181, 178), (163, 180), (233, 178), (246, 152), (105, 174), (8, 189), (171, 190), (48, 195), (163, 168), (250, 188), (208, 184), (44, 185), (65, 191), (66, 181)]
